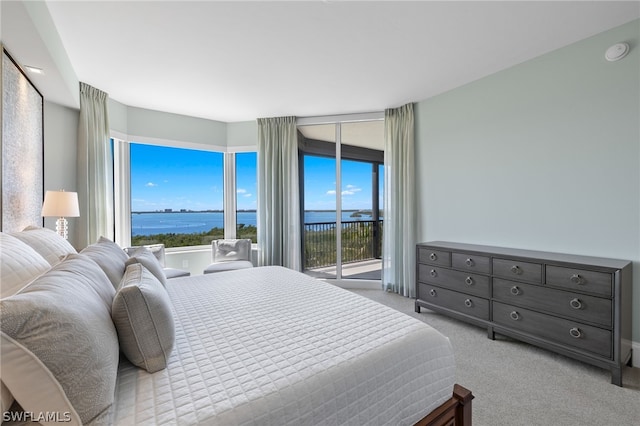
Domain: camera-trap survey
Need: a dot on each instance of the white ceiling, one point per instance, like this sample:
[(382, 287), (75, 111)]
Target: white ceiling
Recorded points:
[(237, 61)]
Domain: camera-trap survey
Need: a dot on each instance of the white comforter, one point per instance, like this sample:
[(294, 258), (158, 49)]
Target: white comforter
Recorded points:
[(270, 346)]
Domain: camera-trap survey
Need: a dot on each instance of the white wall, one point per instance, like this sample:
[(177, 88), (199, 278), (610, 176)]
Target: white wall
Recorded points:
[(242, 135), (543, 156), (60, 142), (174, 127)]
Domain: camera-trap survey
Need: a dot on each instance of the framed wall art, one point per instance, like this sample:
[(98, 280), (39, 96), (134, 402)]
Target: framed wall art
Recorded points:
[(22, 148)]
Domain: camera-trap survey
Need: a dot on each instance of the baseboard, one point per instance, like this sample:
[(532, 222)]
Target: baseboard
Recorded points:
[(635, 356)]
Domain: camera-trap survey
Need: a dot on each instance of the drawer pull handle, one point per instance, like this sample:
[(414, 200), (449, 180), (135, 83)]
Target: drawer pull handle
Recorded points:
[(575, 332), (469, 262), (516, 269), (433, 273), (576, 279), (432, 292), (433, 256), (514, 315), (576, 303), (469, 281), (515, 290), (468, 303)]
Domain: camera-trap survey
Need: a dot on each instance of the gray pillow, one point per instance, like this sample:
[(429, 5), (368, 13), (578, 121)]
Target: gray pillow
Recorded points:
[(59, 346), (142, 315), (95, 276), (46, 242), (19, 264), (110, 257), (146, 257)]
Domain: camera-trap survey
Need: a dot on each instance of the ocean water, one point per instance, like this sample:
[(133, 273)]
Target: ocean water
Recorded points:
[(196, 222)]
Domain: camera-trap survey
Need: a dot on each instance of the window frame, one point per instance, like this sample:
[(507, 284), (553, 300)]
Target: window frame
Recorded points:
[(122, 184)]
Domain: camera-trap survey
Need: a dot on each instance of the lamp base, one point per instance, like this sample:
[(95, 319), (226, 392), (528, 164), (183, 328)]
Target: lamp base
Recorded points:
[(62, 227)]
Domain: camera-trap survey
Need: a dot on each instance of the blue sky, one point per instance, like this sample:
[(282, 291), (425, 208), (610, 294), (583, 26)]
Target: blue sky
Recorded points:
[(175, 178), (320, 184)]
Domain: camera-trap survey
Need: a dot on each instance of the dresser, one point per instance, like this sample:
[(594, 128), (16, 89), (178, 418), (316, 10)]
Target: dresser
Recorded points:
[(577, 306)]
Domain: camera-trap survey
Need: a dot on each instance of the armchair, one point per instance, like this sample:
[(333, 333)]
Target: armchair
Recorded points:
[(229, 255)]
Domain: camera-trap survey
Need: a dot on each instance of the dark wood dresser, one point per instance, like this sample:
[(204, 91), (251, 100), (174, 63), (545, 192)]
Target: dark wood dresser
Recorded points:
[(577, 306)]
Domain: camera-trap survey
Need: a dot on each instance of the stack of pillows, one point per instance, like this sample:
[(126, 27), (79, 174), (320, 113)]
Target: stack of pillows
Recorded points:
[(65, 317)]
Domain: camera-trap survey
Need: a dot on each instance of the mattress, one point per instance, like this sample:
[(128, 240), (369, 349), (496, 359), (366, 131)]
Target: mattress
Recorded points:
[(271, 346)]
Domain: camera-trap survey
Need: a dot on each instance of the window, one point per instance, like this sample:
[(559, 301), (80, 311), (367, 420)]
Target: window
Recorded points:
[(177, 195), (246, 195)]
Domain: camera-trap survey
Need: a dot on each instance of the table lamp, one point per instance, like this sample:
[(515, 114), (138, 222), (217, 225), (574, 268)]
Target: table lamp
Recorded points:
[(61, 204)]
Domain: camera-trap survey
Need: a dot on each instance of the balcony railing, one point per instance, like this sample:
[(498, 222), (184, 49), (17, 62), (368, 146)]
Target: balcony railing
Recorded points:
[(361, 240)]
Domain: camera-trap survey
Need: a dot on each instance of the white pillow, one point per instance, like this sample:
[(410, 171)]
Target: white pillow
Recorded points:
[(142, 315), (110, 257), (19, 265), (145, 257), (59, 346), (231, 250), (156, 249), (46, 242)]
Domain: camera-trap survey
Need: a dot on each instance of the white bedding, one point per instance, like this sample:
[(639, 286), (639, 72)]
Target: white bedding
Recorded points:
[(269, 346)]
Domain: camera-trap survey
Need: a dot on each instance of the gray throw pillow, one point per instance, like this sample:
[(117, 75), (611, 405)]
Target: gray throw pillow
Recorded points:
[(142, 315), (146, 257), (59, 346), (110, 257)]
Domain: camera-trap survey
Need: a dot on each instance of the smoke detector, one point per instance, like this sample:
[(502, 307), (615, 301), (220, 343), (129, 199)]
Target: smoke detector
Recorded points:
[(616, 52)]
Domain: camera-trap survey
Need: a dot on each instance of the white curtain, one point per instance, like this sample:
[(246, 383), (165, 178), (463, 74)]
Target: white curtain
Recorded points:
[(95, 168), (398, 240), (278, 193)]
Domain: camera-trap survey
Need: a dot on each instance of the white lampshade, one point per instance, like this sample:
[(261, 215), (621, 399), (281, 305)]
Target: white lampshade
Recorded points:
[(60, 204)]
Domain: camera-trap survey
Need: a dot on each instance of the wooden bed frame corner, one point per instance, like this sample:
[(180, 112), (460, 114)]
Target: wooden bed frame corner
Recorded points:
[(456, 411)]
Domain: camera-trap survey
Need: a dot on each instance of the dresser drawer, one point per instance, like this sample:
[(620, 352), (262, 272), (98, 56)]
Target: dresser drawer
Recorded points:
[(591, 309), (460, 302), (517, 270), (565, 332), (455, 280), (580, 280), (434, 257), (471, 263)]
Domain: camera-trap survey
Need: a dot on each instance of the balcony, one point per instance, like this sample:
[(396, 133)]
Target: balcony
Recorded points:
[(361, 249)]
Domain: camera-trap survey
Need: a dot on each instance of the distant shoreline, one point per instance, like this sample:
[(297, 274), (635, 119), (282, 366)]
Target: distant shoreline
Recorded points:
[(239, 211)]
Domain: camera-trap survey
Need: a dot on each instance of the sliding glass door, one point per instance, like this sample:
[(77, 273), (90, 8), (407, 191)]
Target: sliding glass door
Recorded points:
[(340, 175), (319, 216)]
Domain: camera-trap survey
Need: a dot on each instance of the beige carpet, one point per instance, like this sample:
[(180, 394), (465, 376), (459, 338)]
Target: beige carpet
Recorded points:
[(518, 384)]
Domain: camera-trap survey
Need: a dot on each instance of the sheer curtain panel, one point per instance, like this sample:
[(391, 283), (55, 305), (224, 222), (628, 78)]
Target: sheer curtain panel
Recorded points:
[(95, 168), (278, 193), (398, 238)]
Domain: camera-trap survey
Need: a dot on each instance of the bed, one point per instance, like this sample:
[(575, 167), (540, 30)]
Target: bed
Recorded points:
[(266, 346)]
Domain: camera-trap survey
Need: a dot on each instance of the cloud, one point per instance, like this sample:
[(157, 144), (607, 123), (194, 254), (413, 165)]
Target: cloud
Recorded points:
[(243, 192), (351, 190), (151, 184)]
